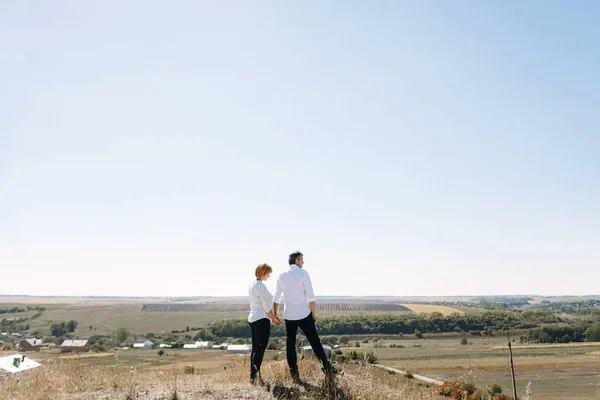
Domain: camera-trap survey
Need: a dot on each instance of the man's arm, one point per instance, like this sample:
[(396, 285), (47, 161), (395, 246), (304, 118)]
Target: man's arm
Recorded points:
[(310, 297), (277, 298)]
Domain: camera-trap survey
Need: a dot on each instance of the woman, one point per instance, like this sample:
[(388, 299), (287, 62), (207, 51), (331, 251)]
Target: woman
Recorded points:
[(261, 311)]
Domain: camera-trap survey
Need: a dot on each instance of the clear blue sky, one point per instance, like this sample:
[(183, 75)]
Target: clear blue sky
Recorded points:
[(407, 148)]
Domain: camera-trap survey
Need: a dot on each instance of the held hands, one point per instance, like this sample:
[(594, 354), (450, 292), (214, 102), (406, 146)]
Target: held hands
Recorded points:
[(276, 320), (314, 317)]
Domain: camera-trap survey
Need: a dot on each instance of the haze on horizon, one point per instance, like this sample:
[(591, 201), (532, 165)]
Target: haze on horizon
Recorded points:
[(408, 149)]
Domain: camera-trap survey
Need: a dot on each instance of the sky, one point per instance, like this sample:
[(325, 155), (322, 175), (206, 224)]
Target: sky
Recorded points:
[(407, 148)]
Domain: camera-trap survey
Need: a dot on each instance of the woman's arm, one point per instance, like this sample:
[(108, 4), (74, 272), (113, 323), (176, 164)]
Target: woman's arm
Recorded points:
[(267, 302)]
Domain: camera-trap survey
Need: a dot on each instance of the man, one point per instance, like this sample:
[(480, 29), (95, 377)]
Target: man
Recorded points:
[(299, 312)]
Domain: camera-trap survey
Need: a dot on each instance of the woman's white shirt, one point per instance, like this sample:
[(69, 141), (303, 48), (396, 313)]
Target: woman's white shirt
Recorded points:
[(261, 301)]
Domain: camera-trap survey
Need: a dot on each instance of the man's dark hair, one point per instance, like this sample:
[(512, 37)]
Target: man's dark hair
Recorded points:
[(294, 256)]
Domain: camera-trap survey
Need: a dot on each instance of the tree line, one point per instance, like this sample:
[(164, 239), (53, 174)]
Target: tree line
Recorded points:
[(399, 324), (564, 334)]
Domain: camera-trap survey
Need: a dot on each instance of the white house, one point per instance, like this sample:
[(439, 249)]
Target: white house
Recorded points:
[(308, 351), (164, 345), (189, 346), (239, 348), (144, 345), (17, 363), (202, 345)]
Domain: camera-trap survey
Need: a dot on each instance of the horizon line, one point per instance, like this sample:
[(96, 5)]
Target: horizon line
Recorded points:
[(323, 296)]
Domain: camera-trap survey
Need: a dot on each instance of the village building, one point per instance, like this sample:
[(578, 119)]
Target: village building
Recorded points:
[(239, 348), (31, 344), (147, 344), (308, 351), (74, 345), (17, 363)]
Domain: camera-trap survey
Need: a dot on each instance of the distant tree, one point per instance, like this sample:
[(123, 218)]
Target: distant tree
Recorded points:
[(58, 329), (343, 339), (72, 325), (170, 338), (418, 334), (592, 334), (299, 344), (187, 328), (91, 327), (273, 344), (121, 335)]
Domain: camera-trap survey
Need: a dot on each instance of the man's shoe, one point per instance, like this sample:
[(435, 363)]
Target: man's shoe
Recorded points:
[(330, 370), (257, 381), (296, 377)]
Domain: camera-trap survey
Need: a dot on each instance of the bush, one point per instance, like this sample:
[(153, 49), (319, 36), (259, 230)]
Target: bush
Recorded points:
[(468, 391), (371, 358), (408, 375), (464, 341), (365, 340), (189, 370), (418, 334), (273, 344), (98, 348), (161, 353), (494, 389), (468, 388)]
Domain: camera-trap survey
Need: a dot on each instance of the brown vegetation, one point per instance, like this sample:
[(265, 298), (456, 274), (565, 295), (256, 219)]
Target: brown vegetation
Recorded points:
[(79, 381)]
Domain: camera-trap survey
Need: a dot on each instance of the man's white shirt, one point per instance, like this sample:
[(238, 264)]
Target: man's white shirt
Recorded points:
[(295, 287)]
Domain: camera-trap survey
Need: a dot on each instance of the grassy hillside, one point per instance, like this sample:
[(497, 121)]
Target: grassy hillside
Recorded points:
[(76, 380)]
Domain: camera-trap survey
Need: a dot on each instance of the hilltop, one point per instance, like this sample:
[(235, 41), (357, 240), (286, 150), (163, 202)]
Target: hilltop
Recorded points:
[(75, 380)]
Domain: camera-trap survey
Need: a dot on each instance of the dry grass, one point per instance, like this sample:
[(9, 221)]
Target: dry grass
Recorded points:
[(76, 380)]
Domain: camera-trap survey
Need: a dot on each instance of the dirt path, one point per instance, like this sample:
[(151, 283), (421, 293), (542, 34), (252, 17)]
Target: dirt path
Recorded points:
[(419, 377)]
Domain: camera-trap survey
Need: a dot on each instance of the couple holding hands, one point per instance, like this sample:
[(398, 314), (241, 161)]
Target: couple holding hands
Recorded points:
[(295, 287)]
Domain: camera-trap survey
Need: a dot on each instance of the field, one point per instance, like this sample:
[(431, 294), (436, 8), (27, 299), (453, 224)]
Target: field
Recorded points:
[(555, 371), (429, 308), (233, 307), (106, 316)]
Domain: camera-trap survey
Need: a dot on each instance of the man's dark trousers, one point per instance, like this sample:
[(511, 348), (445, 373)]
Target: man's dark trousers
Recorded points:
[(310, 331)]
